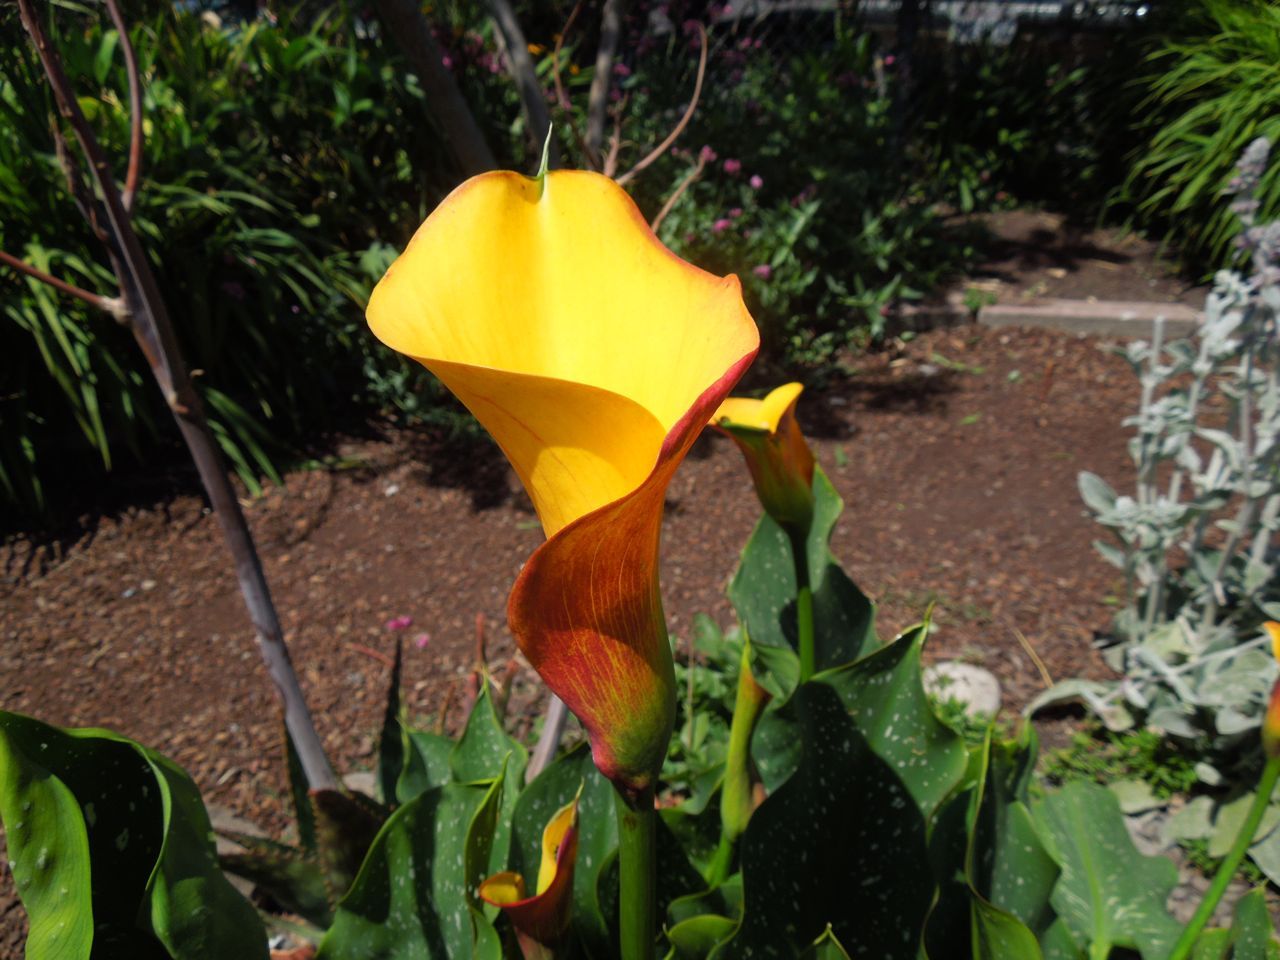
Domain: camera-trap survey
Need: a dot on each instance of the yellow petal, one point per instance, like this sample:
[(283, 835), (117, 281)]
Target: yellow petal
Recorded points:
[(1273, 631), (552, 837), (763, 414), (503, 888), (556, 316)]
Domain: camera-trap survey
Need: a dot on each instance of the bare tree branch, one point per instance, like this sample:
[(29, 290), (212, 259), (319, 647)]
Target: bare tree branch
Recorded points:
[(135, 106), (532, 99), (149, 321), (598, 98), (676, 194), (111, 305), (665, 145), (409, 27)]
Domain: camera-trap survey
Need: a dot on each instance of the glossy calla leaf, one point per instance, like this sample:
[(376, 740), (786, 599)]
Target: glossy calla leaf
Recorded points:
[(1252, 936), (995, 875), (763, 592), (415, 895), (826, 947), (842, 840), (426, 763), (594, 356), (391, 741), (482, 753), (112, 851), (696, 937), (1109, 895)]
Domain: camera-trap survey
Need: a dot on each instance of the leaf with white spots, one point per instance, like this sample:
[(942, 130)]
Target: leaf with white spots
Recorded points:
[(842, 840), (415, 895), (763, 591), (1109, 895), (112, 851)]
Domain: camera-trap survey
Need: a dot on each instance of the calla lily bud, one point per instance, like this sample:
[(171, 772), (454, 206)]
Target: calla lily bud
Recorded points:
[(544, 917), (1271, 722), (777, 455), (738, 794), (594, 356)]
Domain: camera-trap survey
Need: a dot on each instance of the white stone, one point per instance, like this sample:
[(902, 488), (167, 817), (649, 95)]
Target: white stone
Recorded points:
[(976, 688)]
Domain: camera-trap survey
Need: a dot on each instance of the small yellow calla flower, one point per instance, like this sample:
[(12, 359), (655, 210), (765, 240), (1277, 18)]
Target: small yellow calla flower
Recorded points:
[(544, 917), (1271, 722), (777, 455), (594, 356)]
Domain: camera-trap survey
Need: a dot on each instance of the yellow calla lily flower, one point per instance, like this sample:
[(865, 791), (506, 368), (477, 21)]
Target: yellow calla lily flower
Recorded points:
[(1271, 721), (593, 355), (780, 461), (543, 917)]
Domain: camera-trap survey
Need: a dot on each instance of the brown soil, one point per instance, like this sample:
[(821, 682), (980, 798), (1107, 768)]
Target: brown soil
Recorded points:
[(957, 457), (1033, 254)]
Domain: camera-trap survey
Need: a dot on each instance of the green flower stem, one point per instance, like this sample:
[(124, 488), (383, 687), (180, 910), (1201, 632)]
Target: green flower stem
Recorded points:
[(637, 851), (1227, 869), (804, 602), (736, 790)]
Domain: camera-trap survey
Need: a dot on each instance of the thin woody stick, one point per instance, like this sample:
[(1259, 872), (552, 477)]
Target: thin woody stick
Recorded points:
[(148, 319), (665, 145), (112, 305)]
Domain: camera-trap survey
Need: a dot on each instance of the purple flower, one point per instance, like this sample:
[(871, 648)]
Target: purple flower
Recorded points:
[(756, 181), (721, 225), (399, 623), (447, 61), (621, 70), (890, 60), (763, 271), (233, 289), (707, 155), (421, 640), (733, 167)]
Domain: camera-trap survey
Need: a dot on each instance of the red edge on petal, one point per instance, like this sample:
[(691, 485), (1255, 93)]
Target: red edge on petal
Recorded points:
[(587, 613), (545, 917)]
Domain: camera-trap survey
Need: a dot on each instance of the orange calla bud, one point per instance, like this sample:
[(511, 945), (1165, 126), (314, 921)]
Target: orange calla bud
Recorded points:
[(543, 917), (594, 356), (777, 455), (1271, 722)]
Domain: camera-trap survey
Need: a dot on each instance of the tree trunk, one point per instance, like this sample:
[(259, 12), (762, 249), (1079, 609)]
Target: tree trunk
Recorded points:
[(410, 30)]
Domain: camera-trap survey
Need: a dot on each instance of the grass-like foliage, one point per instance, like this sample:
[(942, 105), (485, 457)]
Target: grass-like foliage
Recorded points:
[(1214, 87)]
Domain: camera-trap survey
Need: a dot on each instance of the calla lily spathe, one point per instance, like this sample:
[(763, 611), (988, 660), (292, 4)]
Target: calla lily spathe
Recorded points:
[(544, 917), (594, 356), (777, 455), (1271, 720)]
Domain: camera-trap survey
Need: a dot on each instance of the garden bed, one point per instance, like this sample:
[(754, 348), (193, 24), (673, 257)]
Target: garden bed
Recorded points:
[(956, 454)]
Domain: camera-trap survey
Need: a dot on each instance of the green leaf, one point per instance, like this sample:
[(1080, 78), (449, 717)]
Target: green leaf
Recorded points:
[(346, 824), (194, 910), (764, 588), (1251, 931), (695, 938), (112, 850), (391, 746), (426, 763), (303, 813), (842, 841), (826, 947), (415, 893), (292, 877), (484, 751), (1109, 895)]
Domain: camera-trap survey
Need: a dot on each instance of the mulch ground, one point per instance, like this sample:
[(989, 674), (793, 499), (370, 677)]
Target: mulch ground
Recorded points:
[(956, 454)]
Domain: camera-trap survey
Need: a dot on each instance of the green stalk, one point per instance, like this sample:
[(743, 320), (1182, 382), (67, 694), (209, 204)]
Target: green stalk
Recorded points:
[(804, 603), (637, 850), (1227, 870), (735, 792)]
